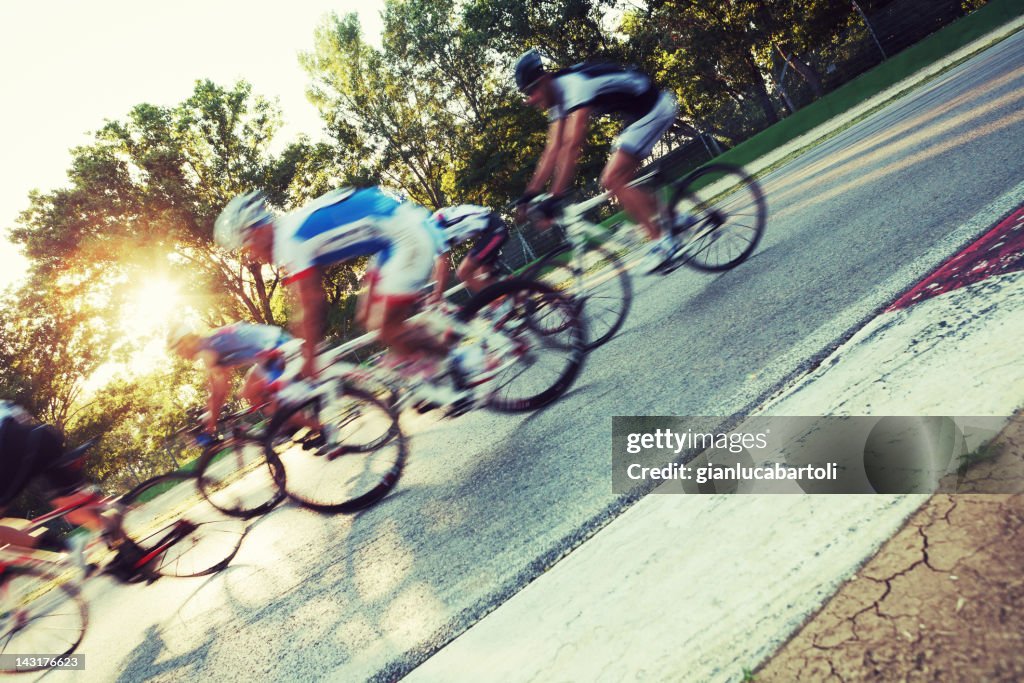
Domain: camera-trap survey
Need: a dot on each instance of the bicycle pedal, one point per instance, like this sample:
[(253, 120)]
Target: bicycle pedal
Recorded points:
[(424, 407), (312, 441), (460, 407)]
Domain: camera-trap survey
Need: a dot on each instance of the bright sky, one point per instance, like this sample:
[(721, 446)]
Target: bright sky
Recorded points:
[(70, 64)]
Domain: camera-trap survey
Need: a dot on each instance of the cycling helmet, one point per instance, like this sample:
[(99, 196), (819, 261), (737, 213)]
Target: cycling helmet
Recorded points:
[(244, 212), (529, 70), (177, 334)]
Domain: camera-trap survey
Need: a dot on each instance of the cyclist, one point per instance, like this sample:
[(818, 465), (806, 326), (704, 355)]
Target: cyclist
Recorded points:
[(32, 451), (461, 224), (341, 225), (571, 97), (234, 346)]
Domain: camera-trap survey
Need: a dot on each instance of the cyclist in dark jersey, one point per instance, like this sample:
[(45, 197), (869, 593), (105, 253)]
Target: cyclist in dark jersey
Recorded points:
[(571, 97), (30, 451)]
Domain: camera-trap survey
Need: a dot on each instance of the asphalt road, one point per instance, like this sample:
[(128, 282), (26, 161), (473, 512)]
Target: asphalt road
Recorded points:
[(488, 502)]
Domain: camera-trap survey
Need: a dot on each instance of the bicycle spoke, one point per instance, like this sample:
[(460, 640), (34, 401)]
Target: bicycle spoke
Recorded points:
[(361, 463), (732, 202)]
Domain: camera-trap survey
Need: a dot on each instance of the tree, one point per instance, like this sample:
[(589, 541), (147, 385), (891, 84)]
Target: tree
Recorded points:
[(52, 337), (150, 187), (435, 107)]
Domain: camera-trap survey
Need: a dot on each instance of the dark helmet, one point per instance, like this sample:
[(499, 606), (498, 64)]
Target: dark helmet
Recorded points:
[(529, 69)]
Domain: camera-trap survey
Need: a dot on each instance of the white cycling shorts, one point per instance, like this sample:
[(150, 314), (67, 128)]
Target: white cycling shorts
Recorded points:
[(639, 137)]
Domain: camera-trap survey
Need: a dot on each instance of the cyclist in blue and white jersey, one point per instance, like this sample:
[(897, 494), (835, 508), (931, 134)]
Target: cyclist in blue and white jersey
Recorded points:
[(571, 97), (463, 223), (232, 347), (339, 226)]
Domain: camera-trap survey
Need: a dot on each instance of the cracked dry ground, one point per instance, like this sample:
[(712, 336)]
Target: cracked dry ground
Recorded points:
[(943, 600)]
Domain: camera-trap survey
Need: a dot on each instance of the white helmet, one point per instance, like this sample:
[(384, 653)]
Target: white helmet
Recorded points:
[(244, 212), (177, 333)]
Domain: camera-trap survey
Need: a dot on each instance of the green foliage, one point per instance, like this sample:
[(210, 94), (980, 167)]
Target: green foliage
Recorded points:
[(148, 190), (51, 339), (134, 420), (434, 111)]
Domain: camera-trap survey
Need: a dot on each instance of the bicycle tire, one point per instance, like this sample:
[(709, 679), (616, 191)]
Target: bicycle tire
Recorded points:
[(360, 471), (371, 382), (25, 631), (511, 329), (732, 221), (174, 536), (603, 299), (237, 483)]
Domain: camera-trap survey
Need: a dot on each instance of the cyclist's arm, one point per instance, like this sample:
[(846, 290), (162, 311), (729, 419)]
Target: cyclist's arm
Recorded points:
[(574, 132), (440, 277), (546, 165), (219, 381), (312, 302)]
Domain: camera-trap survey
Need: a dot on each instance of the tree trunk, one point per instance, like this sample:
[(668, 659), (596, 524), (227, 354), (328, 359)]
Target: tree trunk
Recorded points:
[(761, 91), (261, 292), (806, 71)]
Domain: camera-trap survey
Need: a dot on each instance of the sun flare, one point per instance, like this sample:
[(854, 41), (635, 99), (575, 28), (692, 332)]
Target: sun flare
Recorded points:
[(146, 312), (146, 317)]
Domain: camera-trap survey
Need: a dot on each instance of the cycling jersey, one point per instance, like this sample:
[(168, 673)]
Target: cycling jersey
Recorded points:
[(606, 88), (613, 89), (13, 411), (243, 343), (347, 223), (464, 222), (468, 221), (28, 450), (14, 422)]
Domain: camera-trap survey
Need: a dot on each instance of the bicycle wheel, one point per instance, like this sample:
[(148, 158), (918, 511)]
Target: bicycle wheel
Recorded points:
[(722, 213), (365, 464), (238, 479), (369, 380), (598, 283), (40, 613), (525, 369), (174, 532)]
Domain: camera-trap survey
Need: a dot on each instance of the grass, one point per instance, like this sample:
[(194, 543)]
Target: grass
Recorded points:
[(922, 54), (985, 453), (869, 84)]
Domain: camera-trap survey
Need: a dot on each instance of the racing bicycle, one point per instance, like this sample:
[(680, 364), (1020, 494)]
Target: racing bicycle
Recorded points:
[(308, 447), (513, 368), (159, 531), (717, 211)]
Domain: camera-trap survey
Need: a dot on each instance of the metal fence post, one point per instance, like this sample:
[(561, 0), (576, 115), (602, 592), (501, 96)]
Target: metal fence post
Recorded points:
[(867, 23)]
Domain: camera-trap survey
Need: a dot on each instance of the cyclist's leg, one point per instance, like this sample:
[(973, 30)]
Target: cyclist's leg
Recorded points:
[(477, 270), (65, 481), (256, 384), (10, 535), (388, 314), (639, 204), (267, 377), (634, 144), (394, 294), (475, 275)]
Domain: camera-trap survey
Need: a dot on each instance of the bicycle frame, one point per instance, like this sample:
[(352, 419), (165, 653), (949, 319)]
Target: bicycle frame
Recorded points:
[(17, 556)]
